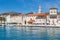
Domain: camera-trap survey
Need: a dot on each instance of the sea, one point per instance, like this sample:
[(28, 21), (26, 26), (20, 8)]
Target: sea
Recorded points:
[(29, 33)]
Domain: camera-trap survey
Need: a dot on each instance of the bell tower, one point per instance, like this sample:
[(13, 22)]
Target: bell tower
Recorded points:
[(40, 9)]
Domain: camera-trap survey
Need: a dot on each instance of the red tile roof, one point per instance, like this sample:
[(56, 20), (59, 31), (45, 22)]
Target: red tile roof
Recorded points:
[(41, 15), (32, 14)]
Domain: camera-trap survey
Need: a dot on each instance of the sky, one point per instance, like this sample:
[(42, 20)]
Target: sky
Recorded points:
[(25, 6)]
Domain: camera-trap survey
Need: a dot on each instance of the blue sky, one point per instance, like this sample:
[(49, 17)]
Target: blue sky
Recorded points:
[(25, 6)]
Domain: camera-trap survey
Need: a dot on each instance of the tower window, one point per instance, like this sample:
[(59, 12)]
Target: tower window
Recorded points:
[(51, 12)]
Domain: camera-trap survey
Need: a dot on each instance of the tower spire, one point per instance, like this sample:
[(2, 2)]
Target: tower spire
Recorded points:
[(40, 9)]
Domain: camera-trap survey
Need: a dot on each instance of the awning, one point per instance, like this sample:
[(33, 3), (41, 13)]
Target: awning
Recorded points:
[(31, 21)]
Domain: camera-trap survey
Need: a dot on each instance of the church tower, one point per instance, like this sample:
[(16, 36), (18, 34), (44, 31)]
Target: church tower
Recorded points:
[(40, 9)]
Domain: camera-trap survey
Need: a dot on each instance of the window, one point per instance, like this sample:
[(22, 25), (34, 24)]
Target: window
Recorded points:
[(54, 11), (53, 16), (51, 12)]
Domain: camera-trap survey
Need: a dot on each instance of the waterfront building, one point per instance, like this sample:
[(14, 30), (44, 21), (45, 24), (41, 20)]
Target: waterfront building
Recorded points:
[(16, 19), (48, 18)]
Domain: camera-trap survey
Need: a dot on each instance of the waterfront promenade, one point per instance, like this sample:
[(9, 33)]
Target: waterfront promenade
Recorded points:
[(31, 25)]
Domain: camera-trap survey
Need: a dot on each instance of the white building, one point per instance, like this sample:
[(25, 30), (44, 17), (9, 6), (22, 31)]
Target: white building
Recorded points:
[(53, 16), (14, 19), (50, 18)]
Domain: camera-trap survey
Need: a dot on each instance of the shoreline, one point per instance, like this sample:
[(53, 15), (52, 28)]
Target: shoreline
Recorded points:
[(46, 26), (30, 25)]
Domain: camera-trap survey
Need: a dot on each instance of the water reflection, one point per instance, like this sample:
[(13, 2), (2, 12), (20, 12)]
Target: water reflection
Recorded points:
[(29, 33)]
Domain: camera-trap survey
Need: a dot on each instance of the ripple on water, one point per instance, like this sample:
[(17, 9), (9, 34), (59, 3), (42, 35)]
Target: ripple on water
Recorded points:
[(29, 33)]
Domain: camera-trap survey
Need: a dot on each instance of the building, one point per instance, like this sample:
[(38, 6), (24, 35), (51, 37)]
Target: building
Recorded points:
[(48, 18)]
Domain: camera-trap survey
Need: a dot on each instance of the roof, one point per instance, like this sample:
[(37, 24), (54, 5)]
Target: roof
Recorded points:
[(41, 15), (10, 13), (53, 8), (32, 14)]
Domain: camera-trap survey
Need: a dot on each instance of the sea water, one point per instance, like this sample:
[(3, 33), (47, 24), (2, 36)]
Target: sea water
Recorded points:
[(29, 33)]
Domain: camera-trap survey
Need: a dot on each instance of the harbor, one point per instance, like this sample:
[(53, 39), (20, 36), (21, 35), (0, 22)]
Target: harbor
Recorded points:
[(29, 19), (40, 19), (29, 33)]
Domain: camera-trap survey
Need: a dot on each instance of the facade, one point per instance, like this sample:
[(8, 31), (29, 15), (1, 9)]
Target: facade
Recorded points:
[(49, 18)]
